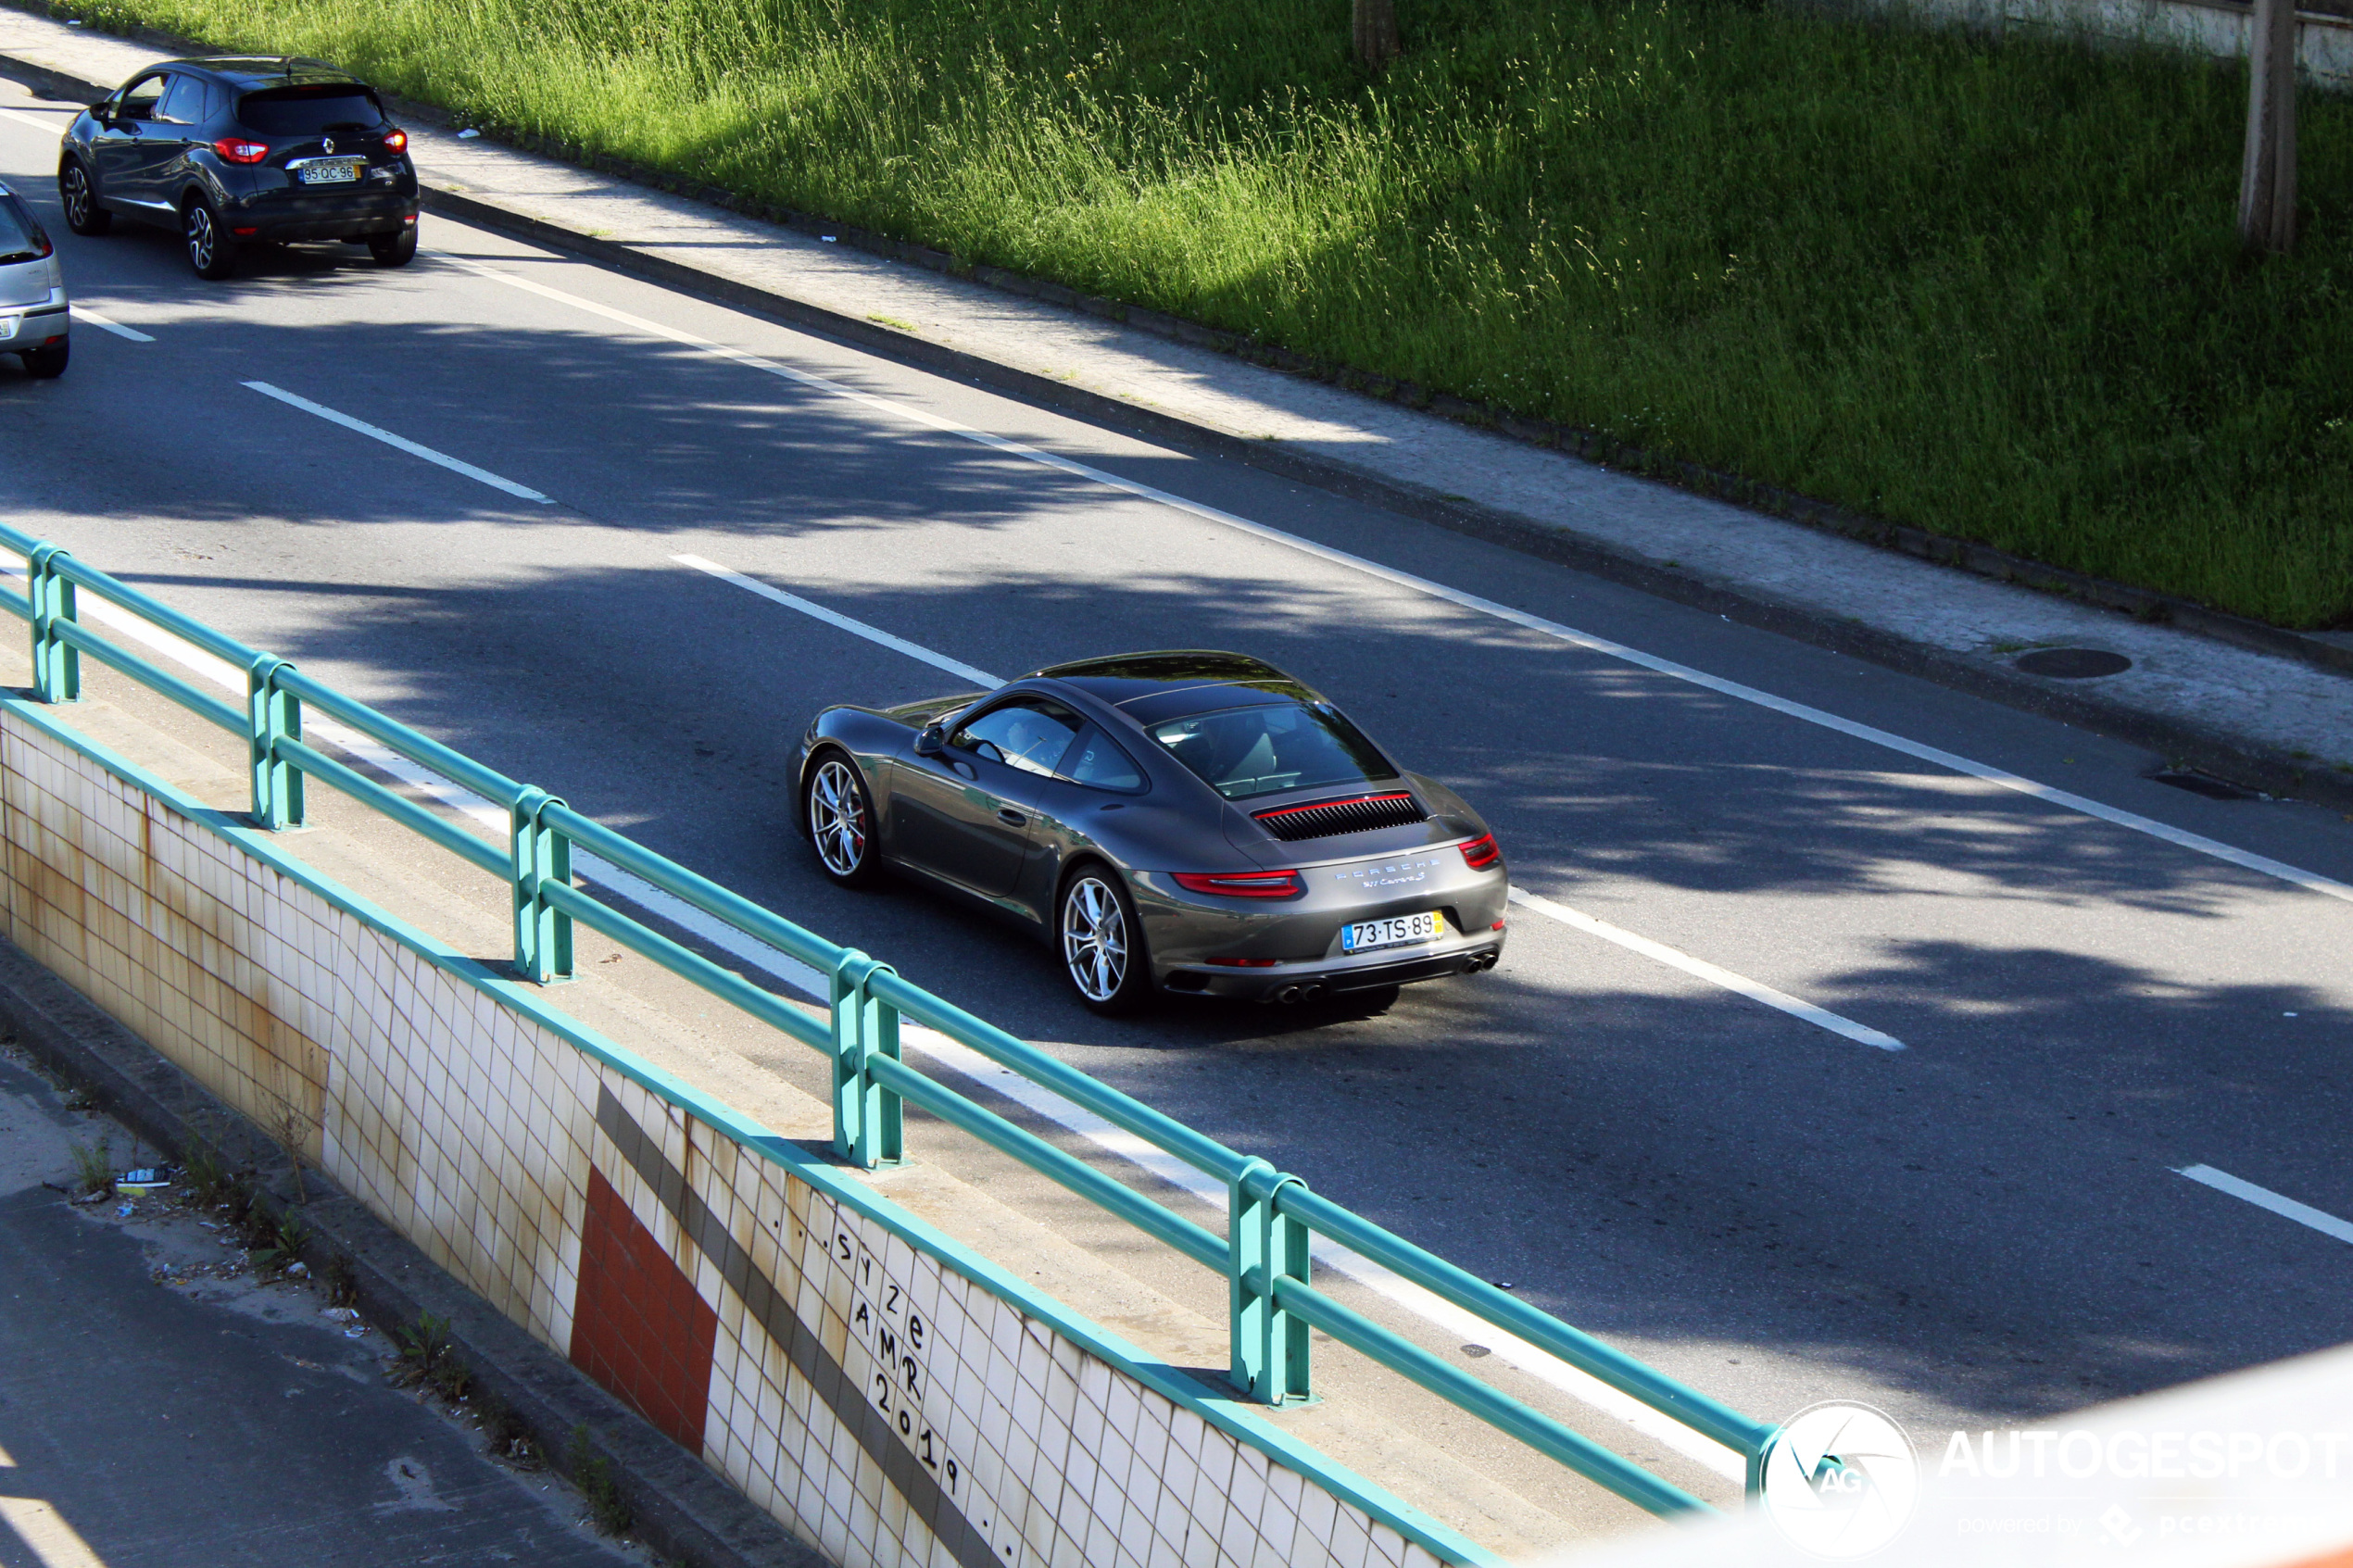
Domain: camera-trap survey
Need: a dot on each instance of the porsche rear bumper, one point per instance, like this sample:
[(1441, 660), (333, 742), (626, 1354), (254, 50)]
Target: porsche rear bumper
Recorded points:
[(1305, 981)]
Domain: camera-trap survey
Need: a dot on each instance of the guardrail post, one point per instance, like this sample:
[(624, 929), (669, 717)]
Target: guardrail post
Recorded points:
[(272, 715), (542, 932), (56, 664), (869, 1120), (1269, 1344)]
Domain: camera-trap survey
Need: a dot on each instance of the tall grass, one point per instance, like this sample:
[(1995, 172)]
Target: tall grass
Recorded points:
[(1989, 287)]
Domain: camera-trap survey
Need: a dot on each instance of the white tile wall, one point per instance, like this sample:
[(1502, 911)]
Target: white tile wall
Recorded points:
[(948, 1428)]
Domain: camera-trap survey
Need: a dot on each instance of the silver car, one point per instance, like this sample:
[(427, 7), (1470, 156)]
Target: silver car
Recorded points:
[(33, 319), (1182, 823)]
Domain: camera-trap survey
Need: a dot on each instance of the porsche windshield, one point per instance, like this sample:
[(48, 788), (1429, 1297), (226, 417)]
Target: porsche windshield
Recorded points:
[(1243, 752)]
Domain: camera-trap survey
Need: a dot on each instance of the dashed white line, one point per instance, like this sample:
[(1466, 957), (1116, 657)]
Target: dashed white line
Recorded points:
[(482, 476), (2319, 1220), (1820, 1017), (22, 119), (2132, 821), (107, 323), (957, 668)]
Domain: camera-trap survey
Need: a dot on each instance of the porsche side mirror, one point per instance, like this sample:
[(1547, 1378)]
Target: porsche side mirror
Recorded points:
[(931, 741)]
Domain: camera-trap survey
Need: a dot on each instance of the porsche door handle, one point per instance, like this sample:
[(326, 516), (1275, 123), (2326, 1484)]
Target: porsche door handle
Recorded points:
[(1011, 817)]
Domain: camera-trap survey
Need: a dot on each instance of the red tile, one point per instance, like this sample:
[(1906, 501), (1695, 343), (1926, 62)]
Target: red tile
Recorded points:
[(638, 1327)]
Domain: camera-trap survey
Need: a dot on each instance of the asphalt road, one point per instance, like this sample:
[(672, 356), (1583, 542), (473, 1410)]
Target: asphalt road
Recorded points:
[(1987, 1225)]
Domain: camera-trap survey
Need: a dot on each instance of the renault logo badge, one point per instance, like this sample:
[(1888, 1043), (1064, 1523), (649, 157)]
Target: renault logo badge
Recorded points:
[(327, 145)]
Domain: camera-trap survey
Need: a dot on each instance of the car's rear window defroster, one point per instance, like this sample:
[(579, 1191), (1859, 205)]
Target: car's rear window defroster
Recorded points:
[(307, 111), (1243, 752)]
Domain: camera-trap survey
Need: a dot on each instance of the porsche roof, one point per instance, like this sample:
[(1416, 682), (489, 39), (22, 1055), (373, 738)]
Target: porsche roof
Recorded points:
[(1193, 679)]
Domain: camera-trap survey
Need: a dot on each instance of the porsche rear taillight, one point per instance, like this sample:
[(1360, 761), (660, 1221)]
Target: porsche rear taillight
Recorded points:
[(1241, 884), (237, 149), (1481, 853)]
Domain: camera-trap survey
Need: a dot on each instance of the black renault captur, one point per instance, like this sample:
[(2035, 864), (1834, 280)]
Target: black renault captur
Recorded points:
[(241, 150)]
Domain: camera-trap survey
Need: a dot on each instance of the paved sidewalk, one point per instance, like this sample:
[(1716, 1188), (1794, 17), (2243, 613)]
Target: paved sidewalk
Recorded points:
[(2273, 721), (161, 1408)]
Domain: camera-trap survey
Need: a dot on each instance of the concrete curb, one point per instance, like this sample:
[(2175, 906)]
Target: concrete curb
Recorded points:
[(682, 1509), (2211, 748)]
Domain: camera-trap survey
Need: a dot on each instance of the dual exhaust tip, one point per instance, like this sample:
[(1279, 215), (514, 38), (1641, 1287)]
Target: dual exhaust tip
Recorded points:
[(1290, 995)]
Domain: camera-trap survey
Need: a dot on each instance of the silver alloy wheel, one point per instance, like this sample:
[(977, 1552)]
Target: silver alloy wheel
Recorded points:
[(1094, 939), (838, 818), (201, 239), (77, 197)]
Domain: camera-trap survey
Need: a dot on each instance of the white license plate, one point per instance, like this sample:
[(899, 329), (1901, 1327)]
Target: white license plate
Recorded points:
[(1395, 931), (9, 327), (337, 173)]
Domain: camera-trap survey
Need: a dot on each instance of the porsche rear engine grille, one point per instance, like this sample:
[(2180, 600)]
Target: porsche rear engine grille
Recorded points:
[(1329, 817)]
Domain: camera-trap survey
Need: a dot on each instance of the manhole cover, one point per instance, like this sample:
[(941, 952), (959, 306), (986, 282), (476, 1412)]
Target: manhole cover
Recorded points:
[(2073, 664), (2205, 785)]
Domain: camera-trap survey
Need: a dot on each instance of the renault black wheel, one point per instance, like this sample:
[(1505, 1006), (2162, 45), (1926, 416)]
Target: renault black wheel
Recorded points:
[(83, 214), (394, 250), (210, 250), (837, 811), (1102, 942)]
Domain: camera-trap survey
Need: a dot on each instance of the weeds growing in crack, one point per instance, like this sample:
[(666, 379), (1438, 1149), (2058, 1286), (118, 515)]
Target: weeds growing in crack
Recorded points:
[(282, 1245), (429, 1361), (503, 1431), (592, 1472), (335, 1276), (94, 1166)]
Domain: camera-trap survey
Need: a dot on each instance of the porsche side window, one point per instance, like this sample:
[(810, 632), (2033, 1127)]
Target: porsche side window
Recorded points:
[(1099, 763), (1031, 736)]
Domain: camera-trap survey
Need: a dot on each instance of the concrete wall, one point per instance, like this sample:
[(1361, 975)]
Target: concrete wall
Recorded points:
[(888, 1395)]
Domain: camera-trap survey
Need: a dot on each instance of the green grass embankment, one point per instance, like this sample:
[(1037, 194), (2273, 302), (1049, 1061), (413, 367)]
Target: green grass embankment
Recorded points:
[(1987, 288)]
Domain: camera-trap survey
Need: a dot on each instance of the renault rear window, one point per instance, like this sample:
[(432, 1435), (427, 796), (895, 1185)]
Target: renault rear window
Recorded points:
[(307, 111), (1241, 752), (21, 237)]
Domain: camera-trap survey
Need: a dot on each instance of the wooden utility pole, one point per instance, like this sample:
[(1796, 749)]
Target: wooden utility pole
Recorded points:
[(1374, 23), (2267, 181)]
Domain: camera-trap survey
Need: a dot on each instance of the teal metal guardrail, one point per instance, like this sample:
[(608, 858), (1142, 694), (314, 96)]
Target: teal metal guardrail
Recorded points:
[(1265, 1258)]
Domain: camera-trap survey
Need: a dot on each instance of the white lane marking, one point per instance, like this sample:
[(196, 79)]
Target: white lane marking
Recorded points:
[(22, 119), (1820, 1017), (52, 1542), (1643, 945), (83, 313), (454, 465), (835, 617), (962, 1059), (2264, 1198), (2133, 820)]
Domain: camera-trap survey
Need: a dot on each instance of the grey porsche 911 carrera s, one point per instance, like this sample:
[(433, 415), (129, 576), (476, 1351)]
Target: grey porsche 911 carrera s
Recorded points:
[(1181, 822)]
